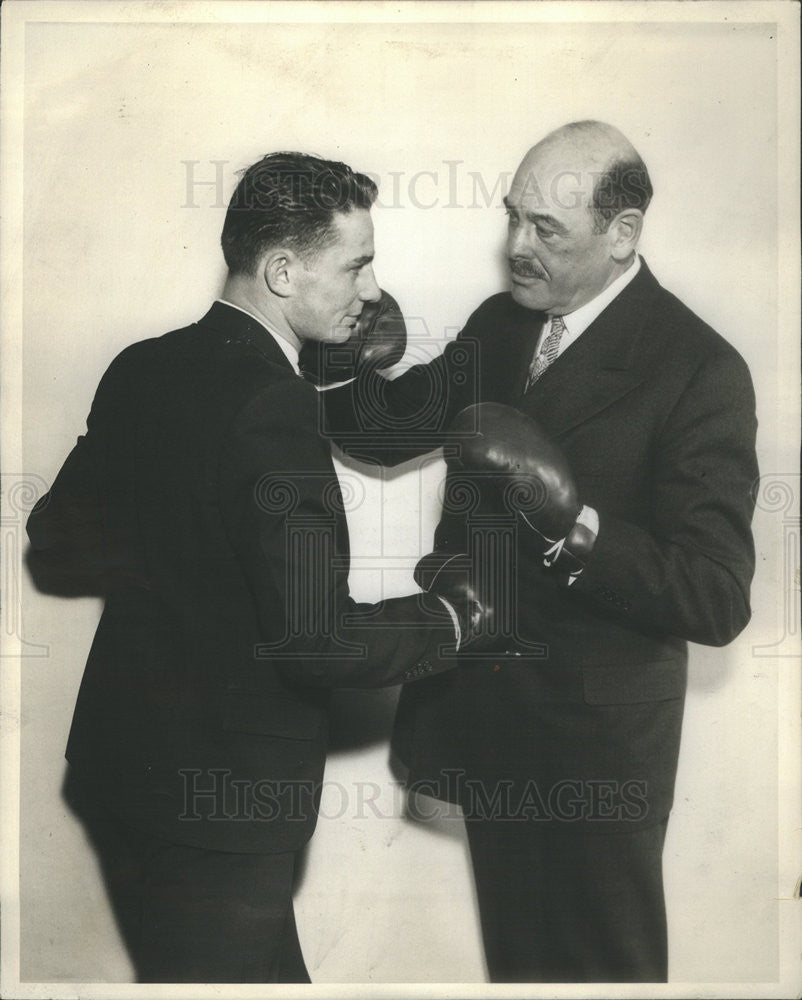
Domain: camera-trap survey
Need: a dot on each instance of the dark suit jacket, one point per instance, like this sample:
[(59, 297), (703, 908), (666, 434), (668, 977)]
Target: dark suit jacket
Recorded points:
[(655, 412), (204, 505)]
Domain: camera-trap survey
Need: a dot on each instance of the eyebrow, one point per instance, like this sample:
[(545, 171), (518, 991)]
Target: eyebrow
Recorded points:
[(538, 217), (365, 259)]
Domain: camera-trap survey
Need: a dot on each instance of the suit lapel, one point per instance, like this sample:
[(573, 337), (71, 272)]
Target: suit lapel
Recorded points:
[(507, 350), (607, 361)]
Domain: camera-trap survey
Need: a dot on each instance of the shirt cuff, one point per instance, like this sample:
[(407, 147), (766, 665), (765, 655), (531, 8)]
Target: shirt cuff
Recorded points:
[(590, 519), (449, 608)]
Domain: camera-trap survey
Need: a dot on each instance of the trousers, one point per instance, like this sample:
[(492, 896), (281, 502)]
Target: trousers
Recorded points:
[(187, 914), (570, 906)]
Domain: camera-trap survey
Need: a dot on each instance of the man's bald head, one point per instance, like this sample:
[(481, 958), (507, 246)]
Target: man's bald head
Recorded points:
[(607, 166)]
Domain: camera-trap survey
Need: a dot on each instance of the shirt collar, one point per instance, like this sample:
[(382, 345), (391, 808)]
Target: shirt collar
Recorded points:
[(290, 352), (580, 319)]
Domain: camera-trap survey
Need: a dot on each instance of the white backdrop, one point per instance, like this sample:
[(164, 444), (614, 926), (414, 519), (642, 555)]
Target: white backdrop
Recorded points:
[(132, 136)]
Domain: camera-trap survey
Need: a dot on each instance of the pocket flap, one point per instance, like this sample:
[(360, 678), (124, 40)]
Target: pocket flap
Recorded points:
[(632, 684)]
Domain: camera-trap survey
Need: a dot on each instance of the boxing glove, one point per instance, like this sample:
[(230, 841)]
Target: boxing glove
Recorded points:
[(518, 458), (450, 576), (378, 341)]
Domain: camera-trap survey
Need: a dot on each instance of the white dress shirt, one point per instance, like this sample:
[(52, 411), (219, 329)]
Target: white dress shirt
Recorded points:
[(580, 319)]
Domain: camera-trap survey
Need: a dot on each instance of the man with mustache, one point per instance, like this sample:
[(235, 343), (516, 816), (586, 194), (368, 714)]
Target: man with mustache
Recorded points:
[(203, 505), (631, 425)]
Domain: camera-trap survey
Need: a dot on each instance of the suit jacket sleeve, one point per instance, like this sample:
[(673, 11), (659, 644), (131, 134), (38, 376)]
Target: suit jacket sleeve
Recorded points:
[(688, 572), (70, 548), (283, 511), (387, 422), (65, 527)]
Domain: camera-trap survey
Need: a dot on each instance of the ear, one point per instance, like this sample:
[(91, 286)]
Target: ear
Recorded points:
[(624, 232), (278, 271)]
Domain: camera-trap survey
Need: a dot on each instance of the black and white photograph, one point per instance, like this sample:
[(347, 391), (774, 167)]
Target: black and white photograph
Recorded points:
[(400, 499)]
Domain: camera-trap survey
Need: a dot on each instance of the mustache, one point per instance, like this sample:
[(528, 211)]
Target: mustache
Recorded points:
[(526, 268)]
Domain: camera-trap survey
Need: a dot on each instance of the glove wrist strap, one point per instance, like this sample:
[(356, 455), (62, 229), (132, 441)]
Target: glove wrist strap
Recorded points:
[(567, 556)]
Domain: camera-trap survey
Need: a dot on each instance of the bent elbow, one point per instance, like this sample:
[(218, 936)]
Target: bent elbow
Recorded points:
[(728, 615)]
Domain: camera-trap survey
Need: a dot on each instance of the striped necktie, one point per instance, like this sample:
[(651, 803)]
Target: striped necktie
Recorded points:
[(547, 353)]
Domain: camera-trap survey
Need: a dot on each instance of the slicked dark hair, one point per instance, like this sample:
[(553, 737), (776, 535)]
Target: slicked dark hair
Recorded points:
[(289, 200)]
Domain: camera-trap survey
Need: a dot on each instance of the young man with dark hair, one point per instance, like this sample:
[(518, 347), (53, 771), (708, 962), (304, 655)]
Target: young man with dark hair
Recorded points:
[(203, 505)]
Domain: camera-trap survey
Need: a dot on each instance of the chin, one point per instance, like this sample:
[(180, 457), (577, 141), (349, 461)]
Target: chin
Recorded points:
[(339, 335), (529, 298)]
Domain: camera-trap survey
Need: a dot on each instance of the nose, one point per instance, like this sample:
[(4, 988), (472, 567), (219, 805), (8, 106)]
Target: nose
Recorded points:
[(520, 242), (369, 290)]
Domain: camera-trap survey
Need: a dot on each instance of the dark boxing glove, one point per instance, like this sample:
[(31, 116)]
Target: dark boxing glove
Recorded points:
[(450, 576), (519, 459), (378, 341)]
